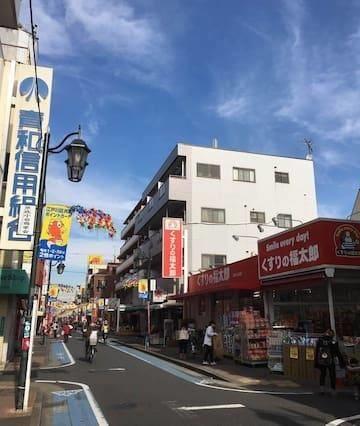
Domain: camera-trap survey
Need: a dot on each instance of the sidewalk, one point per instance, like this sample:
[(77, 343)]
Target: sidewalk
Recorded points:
[(251, 378), (43, 356)]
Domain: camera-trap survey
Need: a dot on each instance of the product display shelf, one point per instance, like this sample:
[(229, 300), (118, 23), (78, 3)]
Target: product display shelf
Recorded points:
[(275, 351), (253, 344)]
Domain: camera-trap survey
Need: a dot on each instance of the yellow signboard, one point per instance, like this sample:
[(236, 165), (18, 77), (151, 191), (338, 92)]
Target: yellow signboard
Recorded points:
[(310, 353), (53, 290), (55, 232), (294, 352), (95, 259), (143, 286)]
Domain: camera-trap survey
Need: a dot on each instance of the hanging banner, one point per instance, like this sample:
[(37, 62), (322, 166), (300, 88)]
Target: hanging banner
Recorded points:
[(143, 289), (172, 252), (26, 144), (55, 232)]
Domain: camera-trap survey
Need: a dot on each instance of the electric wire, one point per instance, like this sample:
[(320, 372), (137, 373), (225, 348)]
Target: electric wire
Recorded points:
[(33, 34)]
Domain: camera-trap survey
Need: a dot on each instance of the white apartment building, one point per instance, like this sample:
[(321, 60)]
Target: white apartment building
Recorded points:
[(222, 195)]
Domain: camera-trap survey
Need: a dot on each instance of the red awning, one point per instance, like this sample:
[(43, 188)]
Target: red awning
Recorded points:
[(240, 276)]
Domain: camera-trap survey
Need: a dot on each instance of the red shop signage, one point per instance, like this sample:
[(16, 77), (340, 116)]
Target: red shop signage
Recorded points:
[(172, 250), (319, 243), (242, 275)]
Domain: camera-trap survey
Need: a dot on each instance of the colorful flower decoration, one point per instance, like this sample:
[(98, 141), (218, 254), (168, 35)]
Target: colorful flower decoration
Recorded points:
[(94, 219)]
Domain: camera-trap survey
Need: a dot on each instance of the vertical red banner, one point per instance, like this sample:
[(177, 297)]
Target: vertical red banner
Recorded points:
[(172, 253)]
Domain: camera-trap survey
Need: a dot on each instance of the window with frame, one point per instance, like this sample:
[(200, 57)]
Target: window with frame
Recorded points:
[(282, 177), (257, 217), (211, 171), (243, 175), (210, 215), (284, 220), (212, 260)]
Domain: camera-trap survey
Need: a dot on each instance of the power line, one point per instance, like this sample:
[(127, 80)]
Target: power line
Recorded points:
[(33, 34)]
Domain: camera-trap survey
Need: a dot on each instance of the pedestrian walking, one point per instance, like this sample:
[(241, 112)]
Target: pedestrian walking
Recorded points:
[(208, 344), (66, 332), (105, 330), (327, 354), (55, 329), (183, 341)]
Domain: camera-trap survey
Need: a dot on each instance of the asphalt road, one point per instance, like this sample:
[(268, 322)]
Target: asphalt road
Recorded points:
[(146, 391)]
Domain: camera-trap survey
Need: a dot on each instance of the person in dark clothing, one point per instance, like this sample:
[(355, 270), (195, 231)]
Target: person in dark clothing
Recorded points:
[(327, 350)]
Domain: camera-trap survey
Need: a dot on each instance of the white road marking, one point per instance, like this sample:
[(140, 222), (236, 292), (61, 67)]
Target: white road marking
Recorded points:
[(211, 407), (206, 385), (116, 369), (72, 361), (139, 355), (92, 401), (345, 419)]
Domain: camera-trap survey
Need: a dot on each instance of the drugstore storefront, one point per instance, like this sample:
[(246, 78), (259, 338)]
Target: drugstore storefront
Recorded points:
[(310, 277), (217, 293)]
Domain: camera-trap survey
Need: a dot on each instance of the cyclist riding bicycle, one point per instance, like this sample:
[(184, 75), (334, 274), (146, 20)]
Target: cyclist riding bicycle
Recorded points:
[(91, 338)]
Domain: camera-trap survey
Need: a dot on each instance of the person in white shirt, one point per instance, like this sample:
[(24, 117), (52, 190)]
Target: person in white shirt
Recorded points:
[(208, 344), (183, 341)]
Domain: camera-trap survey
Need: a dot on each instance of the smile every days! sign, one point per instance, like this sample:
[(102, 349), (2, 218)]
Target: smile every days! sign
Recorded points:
[(317, 244)]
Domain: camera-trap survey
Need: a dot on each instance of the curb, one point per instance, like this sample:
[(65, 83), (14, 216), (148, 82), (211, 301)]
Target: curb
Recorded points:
[(35, 419), (189, 366)]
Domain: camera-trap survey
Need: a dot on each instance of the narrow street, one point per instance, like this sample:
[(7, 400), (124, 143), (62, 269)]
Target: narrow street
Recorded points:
[(134, 388)]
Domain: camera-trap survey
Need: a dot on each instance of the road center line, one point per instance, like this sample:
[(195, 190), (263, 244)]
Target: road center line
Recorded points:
[(211, 407), (345, 419), (116, 369)]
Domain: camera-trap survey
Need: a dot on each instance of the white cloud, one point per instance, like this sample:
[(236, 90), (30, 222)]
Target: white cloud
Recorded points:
[(116, 28), (322, 93), (54, 39), (137, 42), (331, 211), (234, 107), (118, 199)]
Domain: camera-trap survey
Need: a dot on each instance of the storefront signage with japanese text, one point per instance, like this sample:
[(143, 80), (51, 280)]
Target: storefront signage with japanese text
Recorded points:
[(242, 275), (25, 157), (172, 248), (319, 243)]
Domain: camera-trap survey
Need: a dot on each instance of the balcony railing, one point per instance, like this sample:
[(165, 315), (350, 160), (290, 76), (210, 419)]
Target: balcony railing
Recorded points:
[(128, 244), (175, 188), (126, 264), (128, 227), (153, 245)]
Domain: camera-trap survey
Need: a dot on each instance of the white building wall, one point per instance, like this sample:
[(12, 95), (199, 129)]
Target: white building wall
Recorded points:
[(297, 198)]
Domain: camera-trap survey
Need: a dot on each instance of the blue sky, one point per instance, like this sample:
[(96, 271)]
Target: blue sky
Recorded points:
[(142, 75)]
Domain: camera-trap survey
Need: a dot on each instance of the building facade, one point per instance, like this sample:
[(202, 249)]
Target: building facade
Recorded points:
[(222, 196), (20, 167)]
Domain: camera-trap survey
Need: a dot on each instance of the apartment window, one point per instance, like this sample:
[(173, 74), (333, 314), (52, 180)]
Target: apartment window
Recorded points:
[(257, 217), (243, 175), (281, 177), (208, 170), (284, 220), (212, 260), (209, 215)]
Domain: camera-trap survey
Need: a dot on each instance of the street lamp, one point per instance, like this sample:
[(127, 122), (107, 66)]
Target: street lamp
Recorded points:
[(76, 162), (60, 267)]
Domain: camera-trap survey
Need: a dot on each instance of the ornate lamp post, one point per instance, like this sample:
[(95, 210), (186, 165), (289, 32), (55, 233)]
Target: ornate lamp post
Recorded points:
[(77, 152)]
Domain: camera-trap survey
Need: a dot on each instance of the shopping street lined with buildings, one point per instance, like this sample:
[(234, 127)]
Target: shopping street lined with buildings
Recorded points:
[(217, 235)]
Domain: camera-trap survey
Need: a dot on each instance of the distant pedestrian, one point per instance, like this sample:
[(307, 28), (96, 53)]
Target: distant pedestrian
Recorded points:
[(208, 344), (55, 329), (66, 332), (183, 341), (326, 355)]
